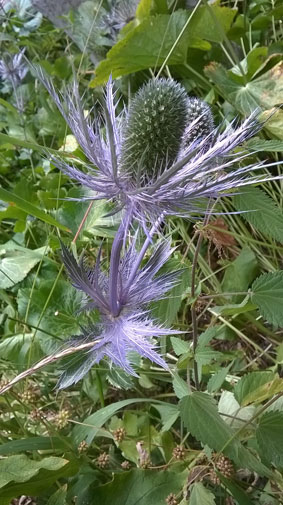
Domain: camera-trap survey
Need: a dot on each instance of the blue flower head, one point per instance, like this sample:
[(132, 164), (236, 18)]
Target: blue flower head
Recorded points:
[(12, 68), (161, 156), (129, 326)]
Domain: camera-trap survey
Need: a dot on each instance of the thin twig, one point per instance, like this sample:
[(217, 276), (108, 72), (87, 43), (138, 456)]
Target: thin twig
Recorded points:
[(47, 361), (83, 221)]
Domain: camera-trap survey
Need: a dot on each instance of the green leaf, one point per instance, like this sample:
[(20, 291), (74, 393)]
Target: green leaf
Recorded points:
[(180, 386), (215, 382), (236, 491), (90, 426), (169, 414), (35, 444), (265, 91), (179, 346), (261, 212), (58, 498), (240, 273), (256, 387), (140, 487), (21, 469), (204, 356), (200, 416), (21, 349), (166, 310), (146, 46), (29, 208), (201, 495), (257, 144), (17, 264), (269, 437), (234, 308), (267, 294)]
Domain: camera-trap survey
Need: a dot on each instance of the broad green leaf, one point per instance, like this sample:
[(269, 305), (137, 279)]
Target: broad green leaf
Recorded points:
[(256, 387), (201, 495), (206, 355), (200, 416), (15, 266), (21, 349), (267, 294), (140, 487), (29, 208), (146, 46), (205, 337), (240, 273), (269, 437), (265, 91), (260, 211), (90, 426), (25, 476), (273, 124), (232, 412), (169, 414), (35, 444)]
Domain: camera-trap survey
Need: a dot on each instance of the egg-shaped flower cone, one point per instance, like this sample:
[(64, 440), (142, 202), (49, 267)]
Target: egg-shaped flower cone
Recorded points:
[(156, 161)]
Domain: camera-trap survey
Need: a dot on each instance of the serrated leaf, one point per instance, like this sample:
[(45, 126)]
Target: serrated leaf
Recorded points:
[(269, 437), (257, 144), (200, 416), (205, 337), (231, 411), (201, 495), (256, 387), (179, 346), (180, 387), (267, 294), (260, 211), (204, 356), (169, 414), (236, 491)]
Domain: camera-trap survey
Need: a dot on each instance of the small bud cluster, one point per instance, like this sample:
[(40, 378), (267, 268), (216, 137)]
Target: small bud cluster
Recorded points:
[(179, 453), (30, 395), (119, 434), (83, 447), (126, 465), (171, 499), (62, 418), (103, 460), (36, 415)]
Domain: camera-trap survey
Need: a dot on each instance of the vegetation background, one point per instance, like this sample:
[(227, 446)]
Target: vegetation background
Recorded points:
[(153, 440)]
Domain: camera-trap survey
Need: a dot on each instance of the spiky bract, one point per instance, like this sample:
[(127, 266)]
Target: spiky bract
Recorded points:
[(133, 328), (154, 129), (12, 68)]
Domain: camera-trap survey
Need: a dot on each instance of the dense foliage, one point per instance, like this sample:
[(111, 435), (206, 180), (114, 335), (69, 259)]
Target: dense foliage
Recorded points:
[(201, 422)]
